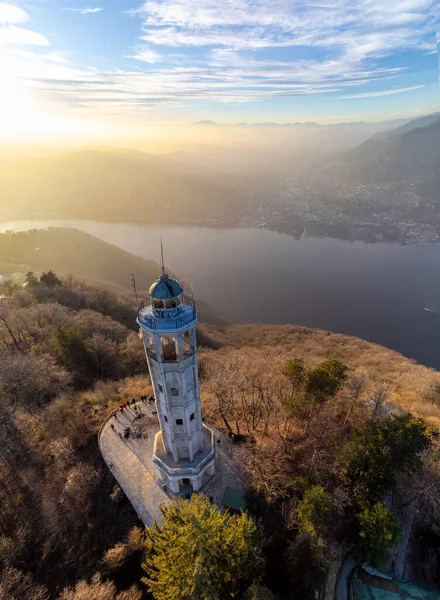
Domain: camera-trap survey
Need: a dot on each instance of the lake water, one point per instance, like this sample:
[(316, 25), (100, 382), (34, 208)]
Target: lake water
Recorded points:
[(375, 291)]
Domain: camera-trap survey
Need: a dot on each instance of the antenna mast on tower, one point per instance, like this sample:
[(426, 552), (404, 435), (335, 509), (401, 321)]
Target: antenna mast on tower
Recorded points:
[(133, 285), (162, 264)]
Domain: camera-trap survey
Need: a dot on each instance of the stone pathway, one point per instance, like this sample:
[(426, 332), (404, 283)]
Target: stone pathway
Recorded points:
[(131, 462)]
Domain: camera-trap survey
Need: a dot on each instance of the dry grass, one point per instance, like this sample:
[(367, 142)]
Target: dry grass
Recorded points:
[(407, 381)]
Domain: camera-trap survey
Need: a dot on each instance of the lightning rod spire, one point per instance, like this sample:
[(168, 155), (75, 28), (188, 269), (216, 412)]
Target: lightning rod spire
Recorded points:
[(162, 264)]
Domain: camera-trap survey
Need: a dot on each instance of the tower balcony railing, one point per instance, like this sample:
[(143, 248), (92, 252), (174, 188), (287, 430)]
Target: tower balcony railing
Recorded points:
[(167, 319)]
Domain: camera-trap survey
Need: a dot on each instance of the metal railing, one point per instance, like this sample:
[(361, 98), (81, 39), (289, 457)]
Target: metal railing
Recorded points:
[(166, 322)]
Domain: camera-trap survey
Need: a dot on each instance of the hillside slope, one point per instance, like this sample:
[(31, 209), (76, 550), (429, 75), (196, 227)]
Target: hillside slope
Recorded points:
[(72, 252), (408, 153), (410, 386), (114, 186)]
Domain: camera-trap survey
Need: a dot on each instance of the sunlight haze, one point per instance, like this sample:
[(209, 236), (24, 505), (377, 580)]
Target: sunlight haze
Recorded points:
[(110, 70)]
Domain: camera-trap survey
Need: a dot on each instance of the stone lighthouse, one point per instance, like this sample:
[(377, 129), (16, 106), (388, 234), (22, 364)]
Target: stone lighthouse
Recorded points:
[(184, 448)]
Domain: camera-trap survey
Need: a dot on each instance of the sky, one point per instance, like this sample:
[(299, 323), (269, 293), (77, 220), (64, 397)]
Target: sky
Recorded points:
[(72, 68)]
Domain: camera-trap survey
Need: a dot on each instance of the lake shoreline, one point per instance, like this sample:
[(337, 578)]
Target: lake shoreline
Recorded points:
[(374, 291)]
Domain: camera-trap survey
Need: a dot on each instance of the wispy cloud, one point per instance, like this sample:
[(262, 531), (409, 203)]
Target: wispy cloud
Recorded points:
[(233, 51), (86, 11), (382, 93)]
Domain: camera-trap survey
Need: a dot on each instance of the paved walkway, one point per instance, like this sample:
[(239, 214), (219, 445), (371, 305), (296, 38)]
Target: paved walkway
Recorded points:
[(131, 462), (343, 578)]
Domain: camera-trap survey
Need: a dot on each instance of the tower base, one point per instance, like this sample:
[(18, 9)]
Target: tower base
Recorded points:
[(185, 475)]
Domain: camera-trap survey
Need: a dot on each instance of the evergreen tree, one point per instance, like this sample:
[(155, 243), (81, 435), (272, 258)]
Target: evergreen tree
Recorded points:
[(311, 387), (75, 353), (201, 554), (50, 279), (314, 511), (295, 372), (325, 380), (378, 531), (31, 279), (307, 566), (380, 450)]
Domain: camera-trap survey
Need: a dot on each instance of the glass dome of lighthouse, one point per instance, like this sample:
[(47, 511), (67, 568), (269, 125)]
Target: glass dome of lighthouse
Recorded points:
[(166, 292)]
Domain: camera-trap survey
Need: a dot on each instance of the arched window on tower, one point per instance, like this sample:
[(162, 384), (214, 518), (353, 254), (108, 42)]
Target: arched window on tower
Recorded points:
[(149, 345), (187, 344), (169, 349)]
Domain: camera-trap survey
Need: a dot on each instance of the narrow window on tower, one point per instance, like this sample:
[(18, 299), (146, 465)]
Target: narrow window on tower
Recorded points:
[(179, 421), (160, 387), (192, 417), (169, 349), (187, 346), (174, 391), (151, 349)]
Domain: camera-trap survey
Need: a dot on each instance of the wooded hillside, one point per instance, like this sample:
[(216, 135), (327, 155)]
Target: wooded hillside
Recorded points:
[(331, 424)]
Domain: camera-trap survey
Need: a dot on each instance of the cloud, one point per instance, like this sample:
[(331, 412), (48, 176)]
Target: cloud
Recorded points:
[(22, 37), (147, 55), (10, 13), (383, 92), (86, 11), (279, 23), (236, 51)]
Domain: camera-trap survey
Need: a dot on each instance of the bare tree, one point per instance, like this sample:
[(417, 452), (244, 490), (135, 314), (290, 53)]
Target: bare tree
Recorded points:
[(354, 387), (99, 590), (15, 585), (29, 382), (422, 490), (378, 398), (76, 497)]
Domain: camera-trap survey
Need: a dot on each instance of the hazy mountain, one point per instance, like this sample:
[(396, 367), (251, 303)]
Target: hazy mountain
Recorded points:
[(411, 152), (413, 124), (114, 185)]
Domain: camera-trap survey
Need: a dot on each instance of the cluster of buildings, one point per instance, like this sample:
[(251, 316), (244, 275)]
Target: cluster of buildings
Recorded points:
[(369, 212)]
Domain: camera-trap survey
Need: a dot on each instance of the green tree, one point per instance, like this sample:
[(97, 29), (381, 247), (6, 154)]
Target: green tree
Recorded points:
[(31, 279), (259, 592), (307, 566), (201, 554), (50, 279), (325, 380), (314, 511), (75, 353), (382, 449), (295, 372), (312, 386), (378, 531)]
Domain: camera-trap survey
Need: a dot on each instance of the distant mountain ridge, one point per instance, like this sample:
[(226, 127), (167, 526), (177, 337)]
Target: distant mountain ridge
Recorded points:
[(114, 185), (410, 152), (307, 124)]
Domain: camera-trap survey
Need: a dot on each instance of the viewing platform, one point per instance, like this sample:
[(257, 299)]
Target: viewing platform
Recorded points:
[(167, 320), (131, 462)]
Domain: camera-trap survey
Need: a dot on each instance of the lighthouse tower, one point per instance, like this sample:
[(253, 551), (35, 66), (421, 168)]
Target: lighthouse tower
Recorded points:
[(184, 448)]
